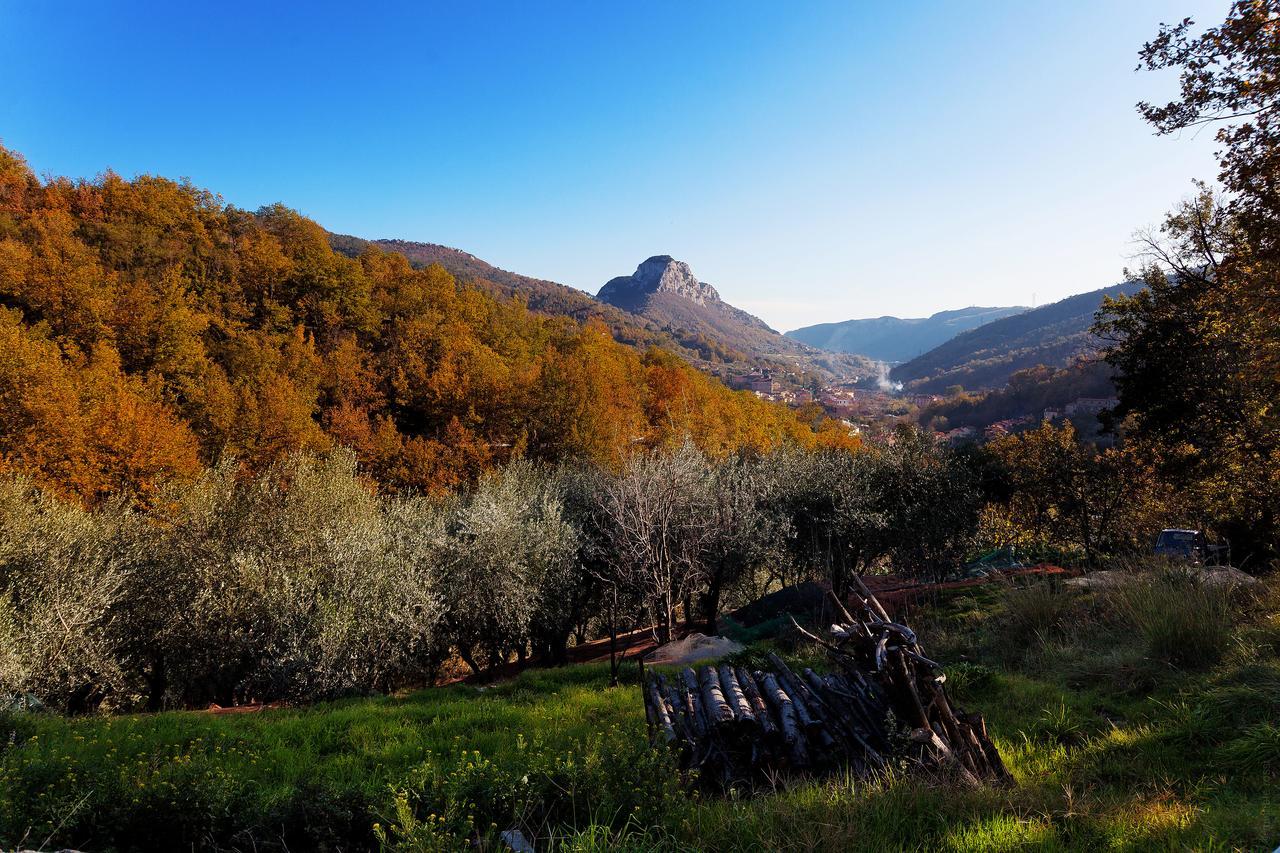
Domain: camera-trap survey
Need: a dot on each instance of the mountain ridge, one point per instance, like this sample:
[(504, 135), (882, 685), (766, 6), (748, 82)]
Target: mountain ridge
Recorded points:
[(663, 274), (665, 291), (896, 339), (1054, 335)]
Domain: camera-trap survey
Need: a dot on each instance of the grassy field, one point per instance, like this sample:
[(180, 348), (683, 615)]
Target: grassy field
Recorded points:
[(1123, 733)]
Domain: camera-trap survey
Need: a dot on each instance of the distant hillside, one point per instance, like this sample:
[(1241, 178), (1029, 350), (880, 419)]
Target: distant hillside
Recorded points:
[(1053, 335), (541, 295), (664, 291), (151, 332), (669, 320), (896, 339), (1029, 392)]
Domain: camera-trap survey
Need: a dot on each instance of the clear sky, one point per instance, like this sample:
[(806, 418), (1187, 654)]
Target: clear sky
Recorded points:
[(815, 161)]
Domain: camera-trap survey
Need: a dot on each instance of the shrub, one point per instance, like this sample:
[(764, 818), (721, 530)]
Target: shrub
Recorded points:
[(62, 576), (299, 584), (510, 561)]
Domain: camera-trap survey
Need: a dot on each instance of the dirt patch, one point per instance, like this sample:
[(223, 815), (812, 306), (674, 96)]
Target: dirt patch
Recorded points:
[(1207, 575), (1102, 580), (895, 590)]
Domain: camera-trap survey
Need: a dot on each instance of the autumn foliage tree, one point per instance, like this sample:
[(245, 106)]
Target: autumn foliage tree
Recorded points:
[(1197, 353), (148, 330), (1074, 495)]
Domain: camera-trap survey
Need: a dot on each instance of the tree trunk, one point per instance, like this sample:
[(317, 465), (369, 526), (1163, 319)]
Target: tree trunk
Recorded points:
[(558, 650), (157, 683), (469, 659), (613, 644), (711, 604)]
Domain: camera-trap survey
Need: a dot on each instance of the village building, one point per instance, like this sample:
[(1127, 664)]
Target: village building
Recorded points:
[(1090, 405)]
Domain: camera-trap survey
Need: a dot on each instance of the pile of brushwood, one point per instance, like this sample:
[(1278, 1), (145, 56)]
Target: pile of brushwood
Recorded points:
[(885, 704)]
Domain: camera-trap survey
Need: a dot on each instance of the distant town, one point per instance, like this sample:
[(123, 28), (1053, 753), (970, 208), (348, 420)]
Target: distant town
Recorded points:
[(871, 410)]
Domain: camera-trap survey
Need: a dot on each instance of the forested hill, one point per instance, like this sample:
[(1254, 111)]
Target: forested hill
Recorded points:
[(717, 341), (147, 330), (541, 295), (982, 358), (896, 339)]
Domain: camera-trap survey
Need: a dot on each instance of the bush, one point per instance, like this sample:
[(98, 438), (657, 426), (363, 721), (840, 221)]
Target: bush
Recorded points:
[(510, 565), (300, 583), (63, 573)]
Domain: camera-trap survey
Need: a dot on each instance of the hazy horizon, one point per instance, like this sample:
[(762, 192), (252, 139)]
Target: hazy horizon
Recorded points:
[(814, 165)]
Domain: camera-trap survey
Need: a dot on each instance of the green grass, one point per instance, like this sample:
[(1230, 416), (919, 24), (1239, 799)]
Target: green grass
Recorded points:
[(295, 778), (1113, 748)]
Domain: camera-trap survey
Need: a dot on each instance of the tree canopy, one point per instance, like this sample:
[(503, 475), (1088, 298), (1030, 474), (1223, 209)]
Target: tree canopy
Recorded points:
[(1197, 353), (148, 330)]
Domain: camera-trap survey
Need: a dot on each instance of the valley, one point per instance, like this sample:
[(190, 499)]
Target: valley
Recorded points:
[(312, 541)]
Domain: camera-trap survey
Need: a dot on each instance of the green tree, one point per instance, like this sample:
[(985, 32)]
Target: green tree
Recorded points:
[(929, 495)]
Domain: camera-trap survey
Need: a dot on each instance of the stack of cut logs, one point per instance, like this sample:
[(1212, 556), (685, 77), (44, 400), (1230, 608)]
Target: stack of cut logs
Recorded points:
[(884, 704)]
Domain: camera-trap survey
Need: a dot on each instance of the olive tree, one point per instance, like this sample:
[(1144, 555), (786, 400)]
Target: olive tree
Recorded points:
[(742, 529), (299, 583), (830, 501), (63, 571), (930, 499), (510, 550), (652, 519), (570, 598)]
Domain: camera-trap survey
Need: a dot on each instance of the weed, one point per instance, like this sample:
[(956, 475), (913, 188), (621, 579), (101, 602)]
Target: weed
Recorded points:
[(1182, 621)]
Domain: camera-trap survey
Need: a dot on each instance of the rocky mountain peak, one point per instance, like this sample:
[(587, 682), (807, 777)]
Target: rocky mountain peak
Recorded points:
[(658, 274)]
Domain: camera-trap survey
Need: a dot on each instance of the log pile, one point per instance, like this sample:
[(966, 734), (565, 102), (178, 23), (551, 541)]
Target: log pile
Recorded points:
[(885, 703)]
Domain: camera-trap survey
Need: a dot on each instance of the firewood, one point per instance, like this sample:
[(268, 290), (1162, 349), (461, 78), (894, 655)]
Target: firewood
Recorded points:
[(979, 726), (842, 719), (693, 706), (788, 721), (791, 684), (761, 710), (732, 725), (735, 695), (661, 715), (932, 738), (717, 707), (870, 601)]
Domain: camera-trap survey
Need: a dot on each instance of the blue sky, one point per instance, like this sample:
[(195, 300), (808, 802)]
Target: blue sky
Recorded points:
[(815, 161)]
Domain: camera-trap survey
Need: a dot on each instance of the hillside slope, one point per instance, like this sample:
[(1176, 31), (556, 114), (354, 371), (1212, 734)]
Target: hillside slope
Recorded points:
[(722, 340), (1053, 335), (147, 331), (541, 295), (895, 339)]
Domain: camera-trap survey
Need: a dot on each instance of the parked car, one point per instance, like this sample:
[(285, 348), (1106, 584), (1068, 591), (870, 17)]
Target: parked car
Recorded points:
[(1190, 545)]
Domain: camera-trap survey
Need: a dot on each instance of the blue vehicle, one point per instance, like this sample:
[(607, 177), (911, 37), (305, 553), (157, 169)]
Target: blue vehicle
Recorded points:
[(1190, 546)]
